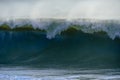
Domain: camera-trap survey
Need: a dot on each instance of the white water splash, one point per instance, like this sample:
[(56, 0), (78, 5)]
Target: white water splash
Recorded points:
[(54, 27), (67, 9), (96, 9)]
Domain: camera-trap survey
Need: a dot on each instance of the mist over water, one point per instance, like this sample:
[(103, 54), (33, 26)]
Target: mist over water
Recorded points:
[(68, 9)]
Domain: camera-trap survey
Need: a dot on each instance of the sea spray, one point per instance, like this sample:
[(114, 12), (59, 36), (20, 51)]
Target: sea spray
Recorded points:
[(56, 26)]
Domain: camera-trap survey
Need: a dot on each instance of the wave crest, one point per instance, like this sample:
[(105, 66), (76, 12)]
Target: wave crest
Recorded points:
[(56, 26)]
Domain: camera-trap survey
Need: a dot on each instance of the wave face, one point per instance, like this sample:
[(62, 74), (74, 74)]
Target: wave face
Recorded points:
[(56, 26), (75, 49)]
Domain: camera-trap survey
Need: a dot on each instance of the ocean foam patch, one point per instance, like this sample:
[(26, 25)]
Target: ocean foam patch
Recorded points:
[(54, 74)]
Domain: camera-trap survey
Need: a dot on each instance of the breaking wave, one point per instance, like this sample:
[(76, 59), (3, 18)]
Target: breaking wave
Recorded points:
[(33, 49), (81, 42), (56, 26)]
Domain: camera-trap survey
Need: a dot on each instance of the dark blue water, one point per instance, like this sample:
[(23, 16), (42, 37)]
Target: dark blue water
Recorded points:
[(78, 49)]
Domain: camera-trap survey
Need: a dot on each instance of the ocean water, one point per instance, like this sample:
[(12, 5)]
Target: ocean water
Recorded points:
[(67, 50), (58, 74)]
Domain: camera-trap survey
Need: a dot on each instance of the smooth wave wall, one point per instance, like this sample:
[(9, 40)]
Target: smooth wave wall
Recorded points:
[(32, 48)]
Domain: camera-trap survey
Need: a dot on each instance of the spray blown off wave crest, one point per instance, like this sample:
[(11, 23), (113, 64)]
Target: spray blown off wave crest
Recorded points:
[(67, 9), (53, 27)]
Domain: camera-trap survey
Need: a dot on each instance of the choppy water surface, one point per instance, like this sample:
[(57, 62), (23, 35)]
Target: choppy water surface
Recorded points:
[(58, 74)]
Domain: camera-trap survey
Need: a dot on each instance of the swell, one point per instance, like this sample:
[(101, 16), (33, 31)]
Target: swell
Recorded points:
[(53, 27), (68, 49)]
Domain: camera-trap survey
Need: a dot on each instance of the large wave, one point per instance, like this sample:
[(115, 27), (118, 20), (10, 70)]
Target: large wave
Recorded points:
[(56, 26), (76, 49)]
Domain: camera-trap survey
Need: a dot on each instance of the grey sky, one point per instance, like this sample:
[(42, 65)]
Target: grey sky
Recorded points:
[(100, 9)]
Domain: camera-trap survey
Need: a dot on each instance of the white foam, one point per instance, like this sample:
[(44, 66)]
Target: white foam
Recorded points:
[(56, 26), (58, 74)]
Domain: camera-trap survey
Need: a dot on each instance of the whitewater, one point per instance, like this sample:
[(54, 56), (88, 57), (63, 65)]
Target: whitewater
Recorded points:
[(56, 26), (57, 16), (58, 74)]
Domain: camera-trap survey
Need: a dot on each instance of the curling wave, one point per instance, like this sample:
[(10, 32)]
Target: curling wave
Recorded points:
[(56, 26)]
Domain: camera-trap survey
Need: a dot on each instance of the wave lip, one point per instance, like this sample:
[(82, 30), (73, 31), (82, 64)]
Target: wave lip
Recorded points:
[(53, 27)]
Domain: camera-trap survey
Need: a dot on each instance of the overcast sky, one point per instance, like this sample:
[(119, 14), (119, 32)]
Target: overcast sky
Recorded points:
[(100, 9)]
